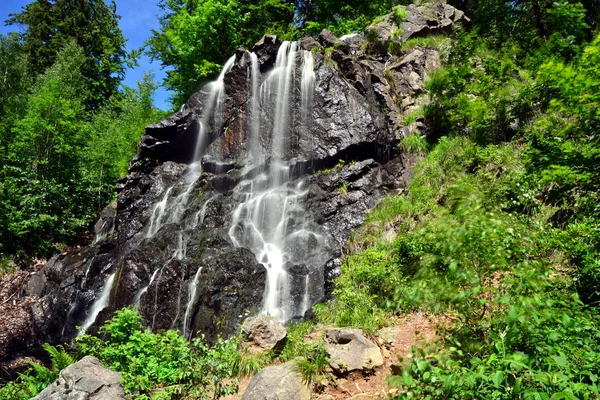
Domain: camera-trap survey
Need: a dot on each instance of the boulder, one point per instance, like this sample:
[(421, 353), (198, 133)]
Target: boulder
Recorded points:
[(327, 38), (86, 379), (264, 332), (282, 382), (349, 350)]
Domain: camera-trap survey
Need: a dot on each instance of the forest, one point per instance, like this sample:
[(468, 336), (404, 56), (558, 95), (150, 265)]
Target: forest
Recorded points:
[(497, 236)]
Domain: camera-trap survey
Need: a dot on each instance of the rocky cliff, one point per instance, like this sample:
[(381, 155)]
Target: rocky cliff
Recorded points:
[(244, 199)]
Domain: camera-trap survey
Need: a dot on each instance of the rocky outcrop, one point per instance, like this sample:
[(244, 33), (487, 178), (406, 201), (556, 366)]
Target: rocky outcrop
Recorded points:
[(349, 350), (282, 382), (86, 379), (263, 332), (432, 18), (171, 245)]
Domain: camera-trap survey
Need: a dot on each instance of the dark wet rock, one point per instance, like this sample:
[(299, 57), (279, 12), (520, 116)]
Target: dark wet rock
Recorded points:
[(263, 332), (86, 379), (349, 350), (282, 382), (266, 51)]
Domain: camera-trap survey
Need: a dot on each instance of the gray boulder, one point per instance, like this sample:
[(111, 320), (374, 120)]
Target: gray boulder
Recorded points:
[(349, 350), (264, 332), (86, 379), (280, 382)]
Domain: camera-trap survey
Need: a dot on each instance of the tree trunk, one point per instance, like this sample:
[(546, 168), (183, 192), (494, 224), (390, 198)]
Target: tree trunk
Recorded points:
[(537, 11)]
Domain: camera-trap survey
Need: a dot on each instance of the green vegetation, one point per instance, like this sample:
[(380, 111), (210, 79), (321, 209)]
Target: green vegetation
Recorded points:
[(67, 132), (38, 377), (160, 365), (164, 365), (498, 231), (415, 144)]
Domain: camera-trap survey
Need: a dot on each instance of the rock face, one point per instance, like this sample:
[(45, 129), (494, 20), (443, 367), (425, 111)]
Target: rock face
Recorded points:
[(86, 379), (243, 200), (281, 382), (349, 350), (431, 18), (264, 332)]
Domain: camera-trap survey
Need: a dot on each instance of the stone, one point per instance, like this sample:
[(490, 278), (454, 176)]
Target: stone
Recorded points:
[(327, 38), (264, 332), (308, 43), (349, 350), (86, 379), (282, 382)]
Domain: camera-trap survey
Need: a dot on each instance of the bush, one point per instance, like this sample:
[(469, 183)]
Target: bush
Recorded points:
[(161, 364)]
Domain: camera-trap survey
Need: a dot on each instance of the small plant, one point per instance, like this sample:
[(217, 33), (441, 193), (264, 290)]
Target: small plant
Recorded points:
[(38, 377), (399, 14), (343, 189), (328, 57), (314, 363), (415, 144), (248, 364), (433, 41)]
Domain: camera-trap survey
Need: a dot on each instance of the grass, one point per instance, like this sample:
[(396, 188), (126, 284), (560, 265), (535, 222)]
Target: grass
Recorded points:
[(434, 41)]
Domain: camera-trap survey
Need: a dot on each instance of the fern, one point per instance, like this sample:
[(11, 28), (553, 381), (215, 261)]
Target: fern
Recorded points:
[(59, 357)]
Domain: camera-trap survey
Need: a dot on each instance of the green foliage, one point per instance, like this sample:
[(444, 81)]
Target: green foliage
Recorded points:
[(473, 241), (415, 144), (340, 17), (37, 377), (56, 152), (197, 37), (315, 363), (50, 25), (161, 364), (42, 166), (399, 14)]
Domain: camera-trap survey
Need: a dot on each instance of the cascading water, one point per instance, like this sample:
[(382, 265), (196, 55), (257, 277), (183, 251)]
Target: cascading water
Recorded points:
[(100, 304), (270, 218)]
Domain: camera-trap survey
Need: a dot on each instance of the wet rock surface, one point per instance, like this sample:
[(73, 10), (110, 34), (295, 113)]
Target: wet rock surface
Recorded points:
[(168, 244), (86, 379)]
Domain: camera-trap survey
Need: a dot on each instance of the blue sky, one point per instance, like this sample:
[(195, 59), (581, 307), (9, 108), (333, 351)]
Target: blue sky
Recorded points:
[(138, 17)]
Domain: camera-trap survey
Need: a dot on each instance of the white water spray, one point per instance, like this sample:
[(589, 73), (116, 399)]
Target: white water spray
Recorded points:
[(99, 304)]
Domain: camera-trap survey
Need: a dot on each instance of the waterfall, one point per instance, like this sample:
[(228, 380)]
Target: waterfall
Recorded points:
[(99, 304), (270, 218)]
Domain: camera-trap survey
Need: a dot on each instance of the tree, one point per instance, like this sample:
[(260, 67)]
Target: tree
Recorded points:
[(340, 16), (112, 136), (93, 24), (198, 36), (14, 85), (41, 176)]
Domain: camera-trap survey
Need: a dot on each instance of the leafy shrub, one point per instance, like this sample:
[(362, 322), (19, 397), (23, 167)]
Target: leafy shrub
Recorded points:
[(164, 363), (38, 377)]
